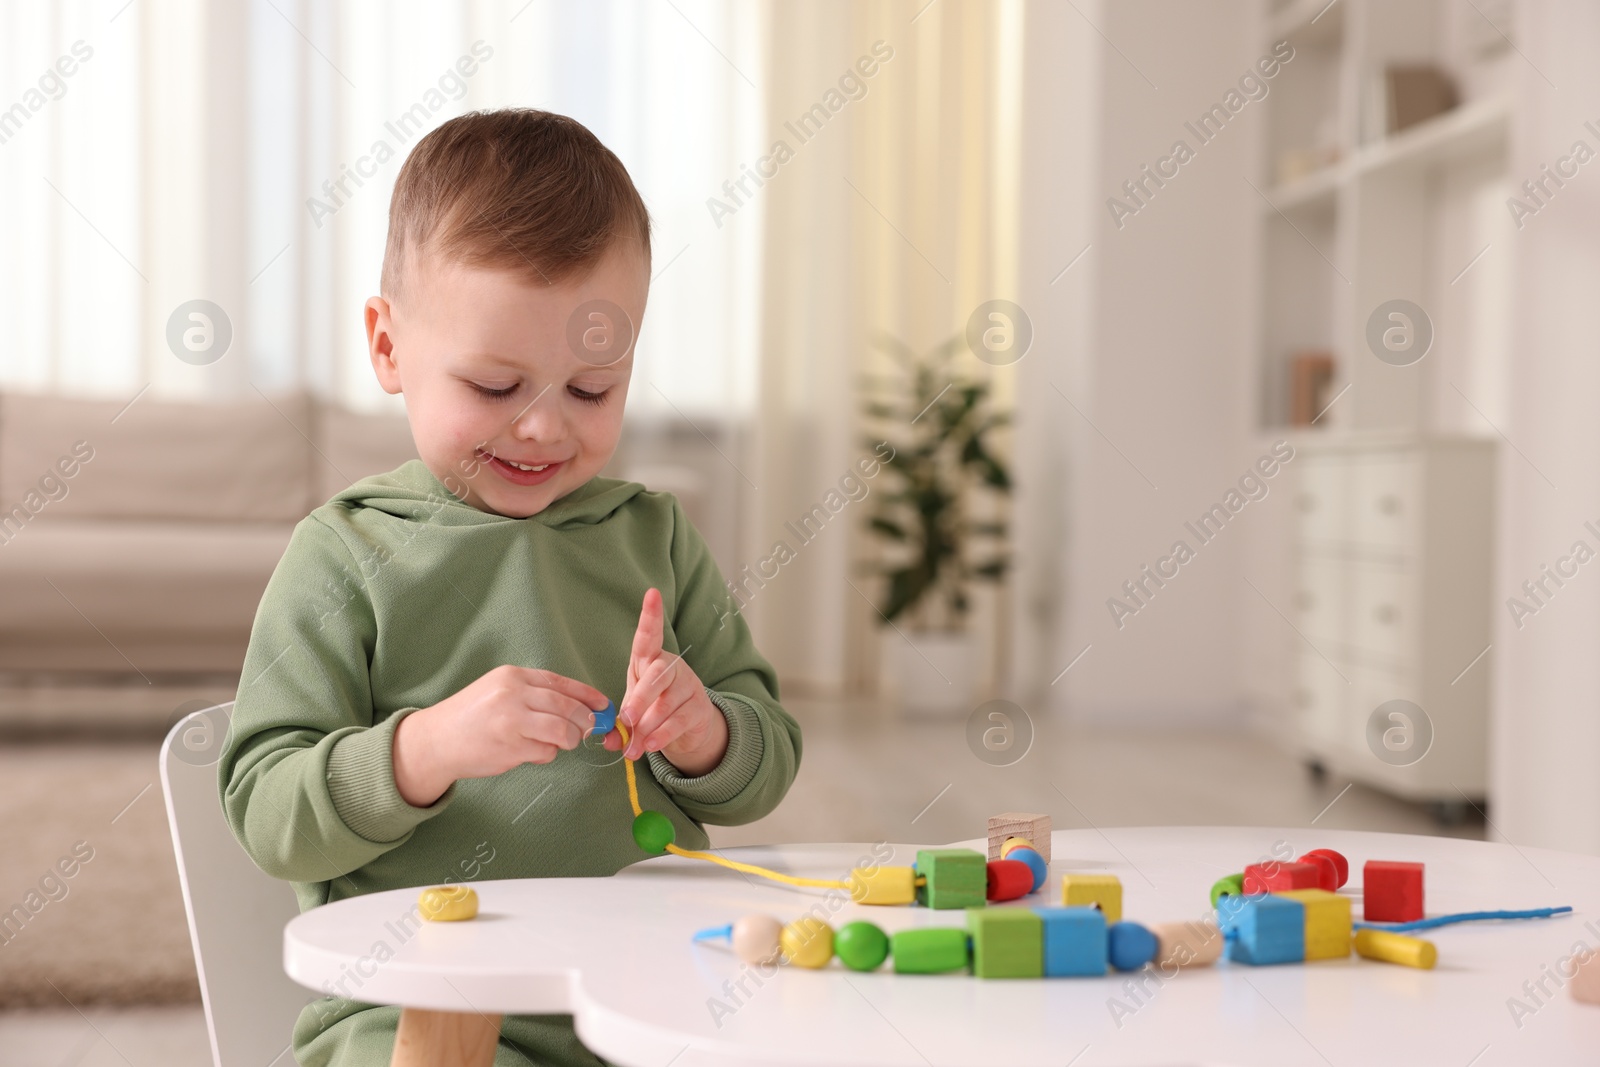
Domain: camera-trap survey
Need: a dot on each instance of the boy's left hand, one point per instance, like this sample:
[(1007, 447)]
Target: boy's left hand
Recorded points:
[(666, 708)]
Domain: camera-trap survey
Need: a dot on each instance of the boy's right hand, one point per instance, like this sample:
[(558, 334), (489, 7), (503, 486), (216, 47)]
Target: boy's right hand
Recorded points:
[(510, 716)]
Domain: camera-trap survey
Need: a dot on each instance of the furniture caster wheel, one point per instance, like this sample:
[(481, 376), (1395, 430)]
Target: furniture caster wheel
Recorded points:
[(1317, 770), (1448, 812)]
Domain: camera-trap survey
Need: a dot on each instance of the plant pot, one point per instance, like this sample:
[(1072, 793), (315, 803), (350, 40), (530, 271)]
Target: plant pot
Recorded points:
[(933, 674)]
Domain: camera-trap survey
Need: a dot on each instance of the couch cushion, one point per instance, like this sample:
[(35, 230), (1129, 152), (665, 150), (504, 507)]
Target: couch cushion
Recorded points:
[(244, 460)]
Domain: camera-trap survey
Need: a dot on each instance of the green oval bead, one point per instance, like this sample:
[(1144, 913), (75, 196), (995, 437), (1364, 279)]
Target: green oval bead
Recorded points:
[(861, 946), (653, 832), (1232, 886)]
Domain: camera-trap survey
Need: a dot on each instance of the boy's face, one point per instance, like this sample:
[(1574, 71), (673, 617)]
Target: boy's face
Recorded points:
[(490, 368)]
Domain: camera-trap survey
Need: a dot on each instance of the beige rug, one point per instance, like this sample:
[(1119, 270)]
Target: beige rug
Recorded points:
[(114, 932)]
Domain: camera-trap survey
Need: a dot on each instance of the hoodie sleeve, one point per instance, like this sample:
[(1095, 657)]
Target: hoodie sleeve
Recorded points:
[(307, 774), (763, 739)]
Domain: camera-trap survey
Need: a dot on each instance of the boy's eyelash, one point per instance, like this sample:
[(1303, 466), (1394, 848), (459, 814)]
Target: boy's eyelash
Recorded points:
[(504, 394)]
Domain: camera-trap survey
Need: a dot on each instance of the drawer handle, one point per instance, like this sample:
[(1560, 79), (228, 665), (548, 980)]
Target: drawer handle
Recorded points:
[(1303, 600), (1386, 613), (1389, 504), (1302, 698), (1306, 502)]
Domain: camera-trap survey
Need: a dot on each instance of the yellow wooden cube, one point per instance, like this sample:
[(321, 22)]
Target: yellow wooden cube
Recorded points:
[(444, 904), (883, 885), (1094, 890), (1327, 922)]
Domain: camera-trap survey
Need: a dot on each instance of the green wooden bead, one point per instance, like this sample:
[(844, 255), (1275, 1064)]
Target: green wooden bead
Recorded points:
[(953, 878), (653, 831), (1232, 886), (930, 950), (1006, 942), (861, 946)]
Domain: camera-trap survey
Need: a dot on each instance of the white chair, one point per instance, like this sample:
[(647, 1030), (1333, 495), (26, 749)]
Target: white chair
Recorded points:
[(236, 912)]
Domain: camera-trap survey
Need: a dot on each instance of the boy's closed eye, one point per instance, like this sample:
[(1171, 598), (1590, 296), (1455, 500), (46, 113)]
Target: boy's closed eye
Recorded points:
[(507, 392)]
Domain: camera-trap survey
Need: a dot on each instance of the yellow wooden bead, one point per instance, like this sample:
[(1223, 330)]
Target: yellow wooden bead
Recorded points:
[(1094, 890), (807, 942), (1327, 931), (883, 885), (448, 904), (1396, 948), (1015, 842)]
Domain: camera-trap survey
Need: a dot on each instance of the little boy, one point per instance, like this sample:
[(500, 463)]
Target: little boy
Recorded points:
[(428, 655)]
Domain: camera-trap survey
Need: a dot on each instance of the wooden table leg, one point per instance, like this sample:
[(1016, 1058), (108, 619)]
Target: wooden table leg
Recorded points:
[(445, 1039)]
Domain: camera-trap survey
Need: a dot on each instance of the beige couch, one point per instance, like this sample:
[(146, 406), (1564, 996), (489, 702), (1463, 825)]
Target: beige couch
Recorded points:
[(145, 551)]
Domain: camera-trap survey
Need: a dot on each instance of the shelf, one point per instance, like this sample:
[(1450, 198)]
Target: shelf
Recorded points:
[(1462, 131)]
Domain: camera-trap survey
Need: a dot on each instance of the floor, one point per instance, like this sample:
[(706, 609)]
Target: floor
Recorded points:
[(73, 977)]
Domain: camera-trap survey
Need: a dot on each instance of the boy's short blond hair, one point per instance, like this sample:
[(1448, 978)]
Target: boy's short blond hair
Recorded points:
[(518, 189)]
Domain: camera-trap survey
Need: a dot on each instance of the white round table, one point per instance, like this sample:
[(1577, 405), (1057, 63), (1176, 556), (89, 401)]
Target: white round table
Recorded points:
[(616, 953)]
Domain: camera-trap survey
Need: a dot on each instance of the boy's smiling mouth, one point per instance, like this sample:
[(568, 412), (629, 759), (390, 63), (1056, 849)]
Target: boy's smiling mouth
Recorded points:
[(519, 473)]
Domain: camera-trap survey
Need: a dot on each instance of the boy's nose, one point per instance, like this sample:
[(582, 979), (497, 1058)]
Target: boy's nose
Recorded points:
[(542, 421)]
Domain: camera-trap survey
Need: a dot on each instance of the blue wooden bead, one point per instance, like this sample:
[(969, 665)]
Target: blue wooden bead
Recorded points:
[(605, 720), (1035, 862), (1130, 946)]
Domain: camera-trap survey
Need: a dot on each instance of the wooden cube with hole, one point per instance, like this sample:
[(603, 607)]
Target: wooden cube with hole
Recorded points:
[(1035, 828), (952, 878), (1103, 891)]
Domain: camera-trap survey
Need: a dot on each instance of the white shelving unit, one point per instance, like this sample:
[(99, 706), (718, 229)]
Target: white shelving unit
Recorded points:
[(1417, 215)]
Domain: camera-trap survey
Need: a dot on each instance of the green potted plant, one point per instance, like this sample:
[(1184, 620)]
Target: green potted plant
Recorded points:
[(939, 419)]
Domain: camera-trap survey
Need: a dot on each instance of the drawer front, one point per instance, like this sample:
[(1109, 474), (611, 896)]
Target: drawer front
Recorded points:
[(1386, 501), (1383, 611), (1319, 600), (1322, 696), (1320, 500), (1400, 737)]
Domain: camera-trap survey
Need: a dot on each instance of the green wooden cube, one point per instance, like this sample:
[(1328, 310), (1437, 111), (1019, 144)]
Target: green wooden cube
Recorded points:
[(1006, 942), (953, 878)]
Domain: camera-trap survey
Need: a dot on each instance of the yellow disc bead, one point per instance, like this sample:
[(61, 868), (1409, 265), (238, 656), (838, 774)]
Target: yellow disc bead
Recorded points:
[(807, 942), (1015, 842), (448, 904)]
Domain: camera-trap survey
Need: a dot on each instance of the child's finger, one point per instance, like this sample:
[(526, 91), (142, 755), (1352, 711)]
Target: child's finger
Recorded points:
[(647, 637), (587, 695), (648, 734), (653, 681)]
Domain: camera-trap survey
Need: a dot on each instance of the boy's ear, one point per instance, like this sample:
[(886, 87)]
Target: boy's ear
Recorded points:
[(380, 343)]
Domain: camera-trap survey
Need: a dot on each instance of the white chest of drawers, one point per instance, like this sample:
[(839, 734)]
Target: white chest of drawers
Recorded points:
[(1393, 601)]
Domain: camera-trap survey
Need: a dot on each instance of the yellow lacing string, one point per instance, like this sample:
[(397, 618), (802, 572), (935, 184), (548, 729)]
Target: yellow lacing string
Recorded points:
[(788, 879)]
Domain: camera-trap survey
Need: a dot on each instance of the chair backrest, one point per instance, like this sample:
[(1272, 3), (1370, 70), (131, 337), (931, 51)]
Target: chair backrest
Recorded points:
[(236, 912)]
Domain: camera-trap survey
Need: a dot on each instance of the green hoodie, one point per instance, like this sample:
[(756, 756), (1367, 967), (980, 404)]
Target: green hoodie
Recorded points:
[(394, 595)]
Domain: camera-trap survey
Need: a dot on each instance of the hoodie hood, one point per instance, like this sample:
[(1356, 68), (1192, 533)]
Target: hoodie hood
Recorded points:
[(410, 491)]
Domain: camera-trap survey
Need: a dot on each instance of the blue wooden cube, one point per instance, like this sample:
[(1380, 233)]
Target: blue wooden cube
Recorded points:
[(1074, 941), (1266, 929)]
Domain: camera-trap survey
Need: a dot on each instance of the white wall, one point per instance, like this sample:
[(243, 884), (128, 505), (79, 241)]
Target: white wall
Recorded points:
[(1546, 737), (1161, 383)]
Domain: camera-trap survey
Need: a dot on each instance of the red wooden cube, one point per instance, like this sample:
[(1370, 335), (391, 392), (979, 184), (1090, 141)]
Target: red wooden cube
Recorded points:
[(1270, 877), (1391, 892)]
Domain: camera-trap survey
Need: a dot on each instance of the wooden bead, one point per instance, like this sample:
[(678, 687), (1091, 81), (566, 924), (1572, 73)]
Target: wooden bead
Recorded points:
[(1191, 944), (1231, 886), (807, 942), (1396, 948), (1103, 891), (1030, 826), (1272, 876), (929, 950), (1327, 934), (955, 878), (861, 946), (1129, 946), (1074, 941), (1267, 929), (1586, 982), (1006, 942), (448, 904), (1008, 880), (1035, 862), (1391, 892), (1327, 870), (653, 832), (1339, 862), (883, 885), (755, 939)]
